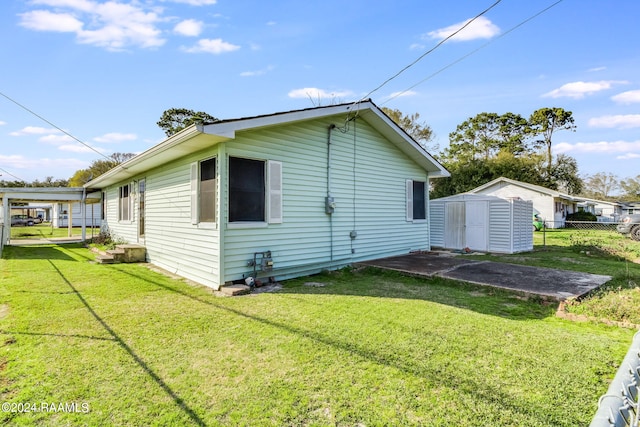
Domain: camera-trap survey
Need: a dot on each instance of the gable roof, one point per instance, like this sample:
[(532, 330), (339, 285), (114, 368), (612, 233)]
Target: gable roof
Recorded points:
[(532, 187), (184, 142)]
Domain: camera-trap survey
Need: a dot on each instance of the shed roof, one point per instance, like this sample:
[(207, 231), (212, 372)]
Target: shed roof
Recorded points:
[(184, 142), (533, 187)]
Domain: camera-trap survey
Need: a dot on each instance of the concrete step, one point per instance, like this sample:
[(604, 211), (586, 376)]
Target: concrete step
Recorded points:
[(133, 252), (233, 290), (104, 259)]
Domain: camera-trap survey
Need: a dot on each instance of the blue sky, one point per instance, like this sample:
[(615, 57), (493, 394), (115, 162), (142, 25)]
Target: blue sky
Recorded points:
[(104, 71)]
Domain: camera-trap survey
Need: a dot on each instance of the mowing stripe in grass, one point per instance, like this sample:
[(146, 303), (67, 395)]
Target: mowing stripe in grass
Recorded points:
[(177, 399)]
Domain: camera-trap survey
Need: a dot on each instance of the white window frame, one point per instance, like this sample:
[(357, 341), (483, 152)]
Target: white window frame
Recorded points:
[(128, 205), (195, 178), (410, 201), (273, 195)]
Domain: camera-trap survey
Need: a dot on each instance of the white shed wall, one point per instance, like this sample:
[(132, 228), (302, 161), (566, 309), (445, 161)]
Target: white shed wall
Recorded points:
[(456, 224)]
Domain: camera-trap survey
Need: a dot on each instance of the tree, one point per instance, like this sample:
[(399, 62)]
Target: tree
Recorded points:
[(420, 131), (97, 168), (600, 185), (49, 181), (564, 175), (631, 187), (486, 135), (544, 122), (174, 120)]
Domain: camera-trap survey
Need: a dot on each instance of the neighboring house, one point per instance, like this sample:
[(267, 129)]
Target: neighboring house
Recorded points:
[(283, 195), (552, 205), (603, 210), (60, 215), (630, 208)]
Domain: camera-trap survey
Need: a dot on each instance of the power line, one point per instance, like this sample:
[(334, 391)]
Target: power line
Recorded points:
[(473, 51), (431, 50), (55, 126), (9, 173)]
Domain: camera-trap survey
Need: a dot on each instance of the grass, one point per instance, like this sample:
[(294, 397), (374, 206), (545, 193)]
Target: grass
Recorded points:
[(45, 231), (591, 251), (359, 348)]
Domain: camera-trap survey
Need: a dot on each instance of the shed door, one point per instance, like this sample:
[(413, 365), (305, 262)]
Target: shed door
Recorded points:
[(454, 225), (477, 219)]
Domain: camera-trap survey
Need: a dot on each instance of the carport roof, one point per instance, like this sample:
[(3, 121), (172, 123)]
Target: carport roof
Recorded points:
[(49, 194)]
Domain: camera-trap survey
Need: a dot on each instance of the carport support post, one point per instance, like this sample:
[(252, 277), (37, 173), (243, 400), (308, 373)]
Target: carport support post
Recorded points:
[(70, 220), (6, 215), (83, 209)]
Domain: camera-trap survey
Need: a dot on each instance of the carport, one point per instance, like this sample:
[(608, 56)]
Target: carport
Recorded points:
[(68, 195)]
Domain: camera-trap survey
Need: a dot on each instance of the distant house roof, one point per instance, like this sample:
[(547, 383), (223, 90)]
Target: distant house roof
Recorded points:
[(533, 187), (184, 142)]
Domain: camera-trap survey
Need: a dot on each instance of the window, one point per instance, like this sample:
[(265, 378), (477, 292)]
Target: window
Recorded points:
[(208, 191), (416, 200), (246, 190), (124, 203)]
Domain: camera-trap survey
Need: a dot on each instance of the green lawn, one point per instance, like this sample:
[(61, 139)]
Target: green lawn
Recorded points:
[(45, 231), (366, 348), (591, 251)]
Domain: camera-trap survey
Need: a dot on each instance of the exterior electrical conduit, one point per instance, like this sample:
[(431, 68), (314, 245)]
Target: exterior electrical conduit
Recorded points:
[(620, 407)]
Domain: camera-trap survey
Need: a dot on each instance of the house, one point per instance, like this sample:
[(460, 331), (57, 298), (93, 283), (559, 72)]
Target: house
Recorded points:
[(605, 211), (552, 205), (61, 212), (284, 195), (481, 223), (630, 208)]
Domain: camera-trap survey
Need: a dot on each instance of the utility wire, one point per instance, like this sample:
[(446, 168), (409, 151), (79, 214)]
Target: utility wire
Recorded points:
[(9, 173), (431, 50), (51, 124), (473, 51)]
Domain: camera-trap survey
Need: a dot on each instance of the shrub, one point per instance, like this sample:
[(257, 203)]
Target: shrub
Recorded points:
[(581, 216)]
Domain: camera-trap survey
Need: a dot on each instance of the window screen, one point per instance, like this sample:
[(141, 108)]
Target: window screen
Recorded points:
[(246, 190)]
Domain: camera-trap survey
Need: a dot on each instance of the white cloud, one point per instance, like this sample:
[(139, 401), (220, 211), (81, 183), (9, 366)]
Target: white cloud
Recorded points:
[(33, 130), (578, 90), (43, 20), (257, 72), (115, 137), (596, 69), (616, 121), (481, 28), (112, 25), (315, 93), (195, 2), (189, 28), (2, 123), (78, 148), (403, 94), (628, 156), (44, 164), (215, 46), (55, 139), (598, 147), (628, 97)]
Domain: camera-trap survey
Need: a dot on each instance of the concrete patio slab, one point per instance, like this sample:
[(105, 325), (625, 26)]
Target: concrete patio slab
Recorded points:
[(547, 282)]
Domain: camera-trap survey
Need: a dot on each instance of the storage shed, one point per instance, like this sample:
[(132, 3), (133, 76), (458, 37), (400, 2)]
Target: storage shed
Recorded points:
[(481, 223)]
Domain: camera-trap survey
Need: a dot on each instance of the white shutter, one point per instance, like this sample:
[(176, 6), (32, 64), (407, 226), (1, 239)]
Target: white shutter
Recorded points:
[(194, 193), (274, 186), (409, 195)]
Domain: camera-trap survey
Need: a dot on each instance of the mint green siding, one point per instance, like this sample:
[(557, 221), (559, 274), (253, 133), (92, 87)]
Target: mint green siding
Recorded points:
[(367, 179), (172, 241)]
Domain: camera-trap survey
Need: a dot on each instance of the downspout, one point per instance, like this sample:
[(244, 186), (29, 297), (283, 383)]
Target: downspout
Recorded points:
[(329, 202)]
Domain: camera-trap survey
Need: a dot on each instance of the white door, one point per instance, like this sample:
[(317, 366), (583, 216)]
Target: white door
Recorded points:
[(477, 218), (454, 225)]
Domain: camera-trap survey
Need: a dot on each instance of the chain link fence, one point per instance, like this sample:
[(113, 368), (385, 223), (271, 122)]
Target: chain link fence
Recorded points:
[(620, 407), (582, 225)]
